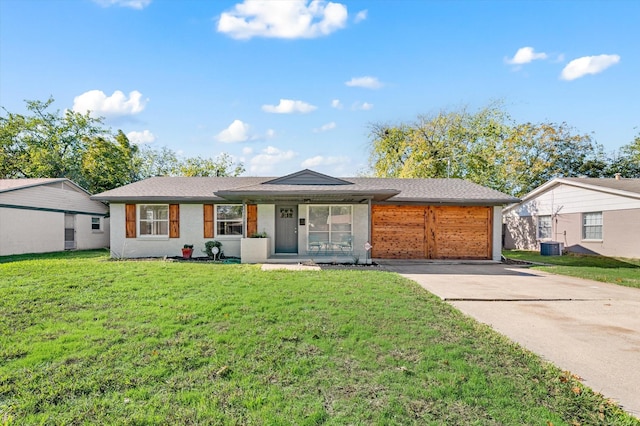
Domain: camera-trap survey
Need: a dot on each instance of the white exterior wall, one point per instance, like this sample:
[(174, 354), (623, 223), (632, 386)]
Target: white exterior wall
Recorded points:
[(33, 229), (191, 232), (87, 238), (30, 231), (565, 199), (267, 223), (497, 233)]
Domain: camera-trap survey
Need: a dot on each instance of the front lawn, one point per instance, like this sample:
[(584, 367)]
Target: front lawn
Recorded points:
[(599, 268), (86, 340)]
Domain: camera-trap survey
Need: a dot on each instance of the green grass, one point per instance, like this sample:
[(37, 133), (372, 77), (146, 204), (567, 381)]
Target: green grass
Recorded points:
[(620, 271), (85, 340)]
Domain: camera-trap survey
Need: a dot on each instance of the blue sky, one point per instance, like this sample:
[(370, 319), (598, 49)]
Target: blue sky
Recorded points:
[(286, 85)]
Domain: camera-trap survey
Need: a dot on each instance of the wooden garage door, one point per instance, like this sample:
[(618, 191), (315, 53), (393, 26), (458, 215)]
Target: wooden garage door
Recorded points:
[(431, 232)]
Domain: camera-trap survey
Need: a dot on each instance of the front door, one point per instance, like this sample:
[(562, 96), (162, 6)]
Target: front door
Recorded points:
[(287, 229)]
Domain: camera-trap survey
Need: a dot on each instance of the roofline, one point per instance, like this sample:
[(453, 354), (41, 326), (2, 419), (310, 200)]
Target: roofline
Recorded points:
[(32, 185), (154, 198), (558, 181), (451, 201)]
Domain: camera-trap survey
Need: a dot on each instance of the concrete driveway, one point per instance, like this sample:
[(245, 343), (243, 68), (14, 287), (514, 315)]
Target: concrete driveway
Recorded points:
[(589, 328)]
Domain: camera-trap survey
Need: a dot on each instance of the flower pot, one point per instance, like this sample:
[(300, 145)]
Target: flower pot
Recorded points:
[(186, 253)]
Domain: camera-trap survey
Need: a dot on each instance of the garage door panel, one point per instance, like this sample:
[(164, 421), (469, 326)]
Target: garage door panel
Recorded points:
[(432, 232)]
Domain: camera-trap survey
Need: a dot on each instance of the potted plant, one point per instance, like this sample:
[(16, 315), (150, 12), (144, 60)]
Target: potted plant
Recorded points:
[(187, 251)]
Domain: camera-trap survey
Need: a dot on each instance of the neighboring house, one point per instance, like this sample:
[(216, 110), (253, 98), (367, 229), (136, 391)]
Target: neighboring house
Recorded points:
[(45, 215), (586, 215), (308, 214)]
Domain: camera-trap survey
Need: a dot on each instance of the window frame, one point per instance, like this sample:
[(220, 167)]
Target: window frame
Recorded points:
[(330, 229), (140, 220), (216, 221), (584, 226), (549, 227), (99, 228)]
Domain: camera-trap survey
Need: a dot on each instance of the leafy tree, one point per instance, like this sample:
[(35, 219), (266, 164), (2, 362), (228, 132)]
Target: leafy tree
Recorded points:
[(486, 147), (626, 161), (46, 143), (108, 164)]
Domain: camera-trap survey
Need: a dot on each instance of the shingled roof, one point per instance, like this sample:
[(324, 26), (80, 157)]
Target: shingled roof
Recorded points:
[(306, 186)]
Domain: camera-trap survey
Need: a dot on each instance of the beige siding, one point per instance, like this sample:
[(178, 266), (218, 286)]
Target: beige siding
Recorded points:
[(54, 196)]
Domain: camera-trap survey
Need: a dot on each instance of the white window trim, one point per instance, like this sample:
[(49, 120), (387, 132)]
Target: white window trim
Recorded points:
[(215, 223), (99, 230), (308, 220), (139, 218), (582, 228), (539, 237)]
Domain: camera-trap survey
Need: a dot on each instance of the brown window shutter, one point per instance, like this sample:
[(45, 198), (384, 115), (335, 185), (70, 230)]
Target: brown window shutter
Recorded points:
[(130, 220), (252, 219), (174, 220), (208, 220)]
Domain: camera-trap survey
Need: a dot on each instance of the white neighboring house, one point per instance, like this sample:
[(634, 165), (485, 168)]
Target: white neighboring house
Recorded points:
[(47, 215), (587, 215)]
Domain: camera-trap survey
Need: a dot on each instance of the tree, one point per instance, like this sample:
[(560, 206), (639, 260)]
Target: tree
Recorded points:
[(486, 147), (626, 161), (108, 164), (77, 146), (44, 143)]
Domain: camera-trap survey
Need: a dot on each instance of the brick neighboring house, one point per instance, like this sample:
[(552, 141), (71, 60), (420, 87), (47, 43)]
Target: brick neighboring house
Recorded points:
[(308, 215), (587, 215)]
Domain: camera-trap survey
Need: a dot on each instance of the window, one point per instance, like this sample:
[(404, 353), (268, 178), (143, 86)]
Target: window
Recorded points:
[(154, 219), (544, 227), (329, 225), (592, 226), (228, 219), (95, 224)]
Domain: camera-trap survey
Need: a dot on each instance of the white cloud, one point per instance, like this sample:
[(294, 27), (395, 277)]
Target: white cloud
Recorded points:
[(325, 127), (361, 16), (289, 106), (367, 82), (336, 104), (524, 55), (588, 65), (109, 106), (319, 160), (270, 156), (236, 132), (247, 150), (283, 19), (133, 4), (270, 134), (362, 106), (141, 137)]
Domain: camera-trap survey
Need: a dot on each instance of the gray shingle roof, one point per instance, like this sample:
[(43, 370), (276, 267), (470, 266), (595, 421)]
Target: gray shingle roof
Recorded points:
[(453, 191)]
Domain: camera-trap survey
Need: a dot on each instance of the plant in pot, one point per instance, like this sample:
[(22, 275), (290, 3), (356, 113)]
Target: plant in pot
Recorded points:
[(187, 251), (213, 249)]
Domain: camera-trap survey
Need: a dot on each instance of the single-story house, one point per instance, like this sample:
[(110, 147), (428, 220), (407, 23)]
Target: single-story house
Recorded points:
[(585, 215), (46, 215), (308, 214)]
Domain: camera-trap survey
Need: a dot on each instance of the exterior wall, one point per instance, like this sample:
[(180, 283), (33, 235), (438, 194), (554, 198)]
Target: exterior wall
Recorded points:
[(30, 231), (59, 196), (496, 252), (564, 199), (267, 223), (31, 228), (87, 238), (566, 204), (191, 232)]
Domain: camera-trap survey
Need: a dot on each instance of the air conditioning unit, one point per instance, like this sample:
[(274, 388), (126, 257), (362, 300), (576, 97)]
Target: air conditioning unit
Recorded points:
[(551, 248)]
